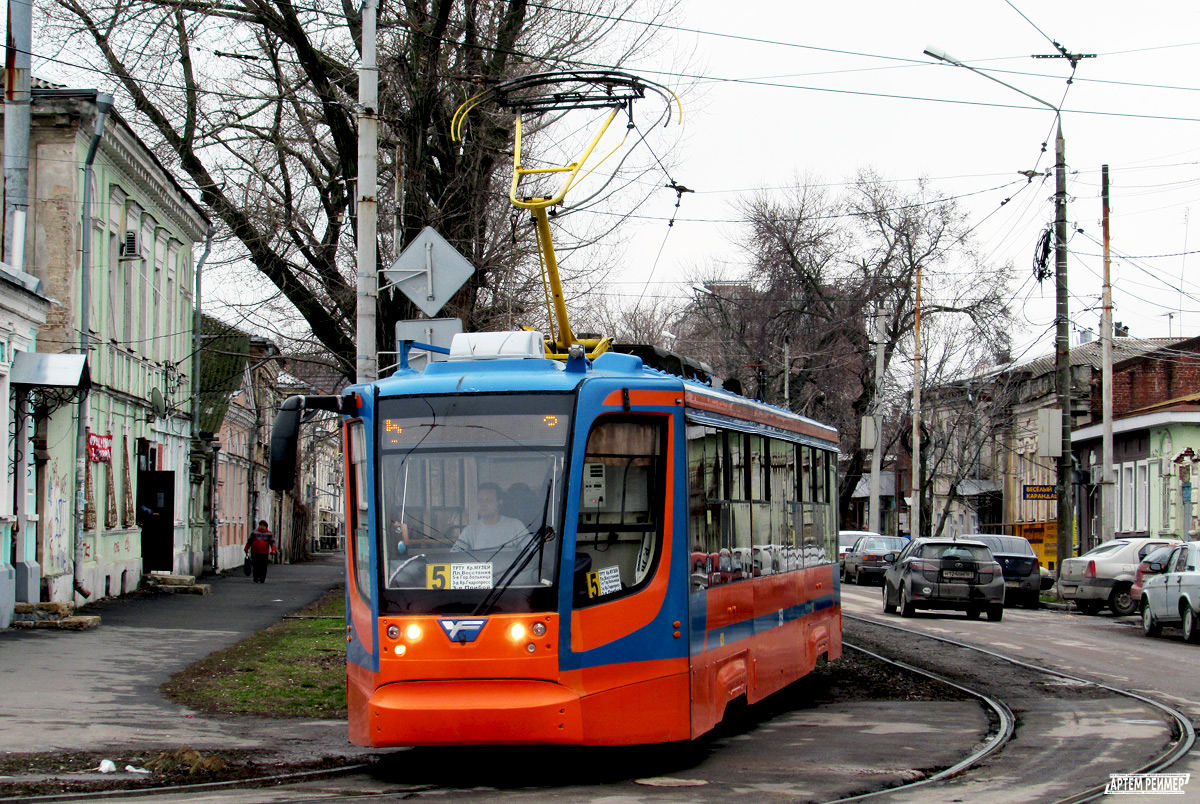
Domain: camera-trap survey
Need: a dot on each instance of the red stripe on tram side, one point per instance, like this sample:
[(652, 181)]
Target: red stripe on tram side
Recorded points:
[(644, 398), (754, 413), (762, 634)]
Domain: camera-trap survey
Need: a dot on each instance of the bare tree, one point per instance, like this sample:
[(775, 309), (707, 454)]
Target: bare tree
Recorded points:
[(254, 104), (818, 267)]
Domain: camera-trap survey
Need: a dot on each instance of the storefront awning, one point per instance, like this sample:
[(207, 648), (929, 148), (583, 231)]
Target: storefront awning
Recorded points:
[(43, 370)]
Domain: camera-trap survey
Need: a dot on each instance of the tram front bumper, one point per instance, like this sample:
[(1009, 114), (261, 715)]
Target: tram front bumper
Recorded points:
[(475, 711)]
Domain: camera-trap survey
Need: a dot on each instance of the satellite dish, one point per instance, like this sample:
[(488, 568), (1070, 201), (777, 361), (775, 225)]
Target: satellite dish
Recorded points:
[(157, 403)]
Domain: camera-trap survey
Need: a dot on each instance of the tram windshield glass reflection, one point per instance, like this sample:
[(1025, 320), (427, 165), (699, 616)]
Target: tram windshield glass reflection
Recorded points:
[(471, 496)]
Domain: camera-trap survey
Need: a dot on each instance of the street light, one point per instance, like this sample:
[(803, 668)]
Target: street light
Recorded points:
[(1062, 343)]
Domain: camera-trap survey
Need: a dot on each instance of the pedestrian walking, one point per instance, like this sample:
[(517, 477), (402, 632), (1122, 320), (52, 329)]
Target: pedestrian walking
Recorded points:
[(260, 547)]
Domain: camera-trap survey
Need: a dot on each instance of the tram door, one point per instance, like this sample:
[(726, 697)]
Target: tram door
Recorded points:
[(623, 545)]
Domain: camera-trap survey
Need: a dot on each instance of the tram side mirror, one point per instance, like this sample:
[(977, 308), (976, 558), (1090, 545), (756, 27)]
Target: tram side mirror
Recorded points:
[(286, 431), (284, 435)]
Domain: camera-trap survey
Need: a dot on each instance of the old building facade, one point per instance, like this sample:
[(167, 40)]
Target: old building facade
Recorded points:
[(23, 308), (144, 227)]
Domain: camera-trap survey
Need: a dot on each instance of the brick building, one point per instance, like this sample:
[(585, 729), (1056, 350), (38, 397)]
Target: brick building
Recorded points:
[(1156, 443)]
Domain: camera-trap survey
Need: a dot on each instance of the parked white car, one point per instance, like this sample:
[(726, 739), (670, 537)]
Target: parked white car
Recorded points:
[(1173, 596), (1104, 575)]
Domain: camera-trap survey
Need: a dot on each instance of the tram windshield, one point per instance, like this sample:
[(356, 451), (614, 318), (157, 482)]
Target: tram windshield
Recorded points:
[(471, 497)]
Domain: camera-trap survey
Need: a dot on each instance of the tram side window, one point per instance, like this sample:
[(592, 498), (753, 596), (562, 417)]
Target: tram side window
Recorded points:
[(750, 552), (620, 510), (737, 535), (359, 496), (781, 555), (706, 508), (816, 516)]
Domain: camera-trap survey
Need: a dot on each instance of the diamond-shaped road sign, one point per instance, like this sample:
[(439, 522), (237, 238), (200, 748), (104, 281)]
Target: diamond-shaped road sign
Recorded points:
[(429, 271)]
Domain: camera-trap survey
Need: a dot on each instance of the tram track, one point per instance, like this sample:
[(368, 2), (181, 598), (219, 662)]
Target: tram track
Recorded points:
[(987, 759), (1183, 733)]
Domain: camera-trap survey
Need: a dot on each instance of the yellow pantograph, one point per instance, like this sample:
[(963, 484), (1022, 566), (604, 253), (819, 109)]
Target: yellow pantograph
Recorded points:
[(559, 341)]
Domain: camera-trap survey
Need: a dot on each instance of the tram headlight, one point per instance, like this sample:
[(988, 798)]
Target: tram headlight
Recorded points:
[(516, 632), (413, 632), (393, 632), (539, 629)]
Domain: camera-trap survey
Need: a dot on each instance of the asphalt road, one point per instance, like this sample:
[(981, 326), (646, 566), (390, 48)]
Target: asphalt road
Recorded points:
[(1105, 648)]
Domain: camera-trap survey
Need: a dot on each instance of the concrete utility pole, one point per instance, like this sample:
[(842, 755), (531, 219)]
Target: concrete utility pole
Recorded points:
[(366, 362), (103, 105), (1108, 491), (1062, 350), (914, 526), (17, 98), (1062, 343), (874, 517)]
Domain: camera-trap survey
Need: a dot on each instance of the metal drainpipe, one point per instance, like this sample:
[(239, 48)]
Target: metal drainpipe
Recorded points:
[(103, 105), (197, 327)]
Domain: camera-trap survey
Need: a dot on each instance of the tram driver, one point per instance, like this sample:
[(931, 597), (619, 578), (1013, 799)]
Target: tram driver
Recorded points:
[(493, 530)]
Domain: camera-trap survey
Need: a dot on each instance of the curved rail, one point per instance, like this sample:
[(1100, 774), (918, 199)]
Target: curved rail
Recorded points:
[(1183, 725), (997, 740)]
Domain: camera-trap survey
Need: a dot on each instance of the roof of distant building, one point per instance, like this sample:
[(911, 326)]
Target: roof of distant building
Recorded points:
[(1092, 354), (318, 372)]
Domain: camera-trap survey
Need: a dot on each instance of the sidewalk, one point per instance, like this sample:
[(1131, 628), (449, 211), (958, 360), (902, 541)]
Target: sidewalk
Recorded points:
[(98, 689)]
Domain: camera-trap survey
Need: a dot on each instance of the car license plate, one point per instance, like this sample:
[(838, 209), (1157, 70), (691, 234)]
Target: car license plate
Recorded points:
[(964, 574), (1012, 584)]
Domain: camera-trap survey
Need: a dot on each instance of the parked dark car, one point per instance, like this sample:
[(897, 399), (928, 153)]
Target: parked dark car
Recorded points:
[(1022, 570), (944, 573), (864, 560)]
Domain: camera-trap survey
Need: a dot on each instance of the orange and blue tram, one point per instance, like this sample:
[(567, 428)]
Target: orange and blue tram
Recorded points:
[(580, 552)]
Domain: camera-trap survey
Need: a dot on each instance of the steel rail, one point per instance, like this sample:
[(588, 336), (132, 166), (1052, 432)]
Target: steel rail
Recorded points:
[(994, 743), (1182, 745)]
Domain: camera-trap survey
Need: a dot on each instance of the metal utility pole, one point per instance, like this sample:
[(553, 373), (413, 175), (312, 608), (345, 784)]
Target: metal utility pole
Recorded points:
[(1108, 491), (17, 98), (103, 105), (914, 525), (1062, 350), (366, 363), (874, 517)]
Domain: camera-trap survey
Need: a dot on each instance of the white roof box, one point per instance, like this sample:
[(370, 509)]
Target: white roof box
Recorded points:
[(497, 346)]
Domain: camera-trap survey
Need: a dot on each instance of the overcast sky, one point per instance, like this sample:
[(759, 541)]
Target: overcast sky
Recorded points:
[(778, 88), (776, 105)]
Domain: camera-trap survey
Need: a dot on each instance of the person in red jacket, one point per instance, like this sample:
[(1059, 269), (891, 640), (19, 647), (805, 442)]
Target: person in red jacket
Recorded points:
[(260, 547)]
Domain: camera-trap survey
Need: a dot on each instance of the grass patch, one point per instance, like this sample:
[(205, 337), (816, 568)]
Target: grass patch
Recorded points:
[(295, 668)]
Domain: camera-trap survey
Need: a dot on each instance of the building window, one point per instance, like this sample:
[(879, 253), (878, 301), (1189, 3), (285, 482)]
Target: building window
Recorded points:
[(1142, 503)]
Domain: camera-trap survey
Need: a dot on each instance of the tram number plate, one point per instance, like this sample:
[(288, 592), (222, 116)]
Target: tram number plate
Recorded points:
[(459, 576), (604, 582), (958, 574)]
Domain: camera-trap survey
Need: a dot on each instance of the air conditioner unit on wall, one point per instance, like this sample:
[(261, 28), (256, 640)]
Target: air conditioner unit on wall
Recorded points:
[(130, 247)]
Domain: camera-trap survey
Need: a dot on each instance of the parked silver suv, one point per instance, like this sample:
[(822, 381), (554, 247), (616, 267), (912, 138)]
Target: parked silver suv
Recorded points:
[(945, 573)]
